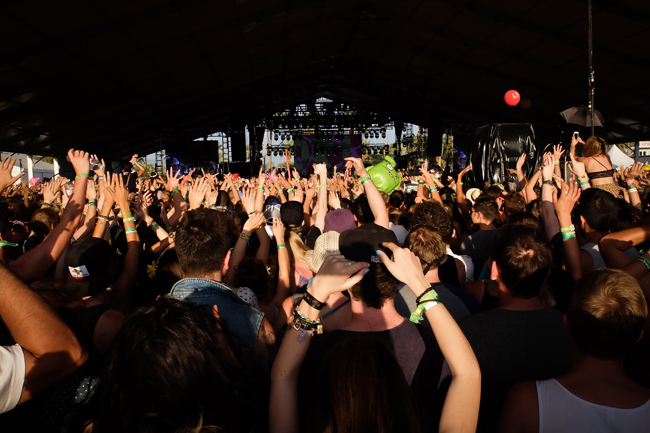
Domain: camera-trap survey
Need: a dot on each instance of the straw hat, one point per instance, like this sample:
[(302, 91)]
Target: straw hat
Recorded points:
[(473, 194), (326, 245)]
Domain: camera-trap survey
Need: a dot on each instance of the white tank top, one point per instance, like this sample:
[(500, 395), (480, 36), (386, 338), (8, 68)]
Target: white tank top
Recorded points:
[(561, 411), (599, 263)]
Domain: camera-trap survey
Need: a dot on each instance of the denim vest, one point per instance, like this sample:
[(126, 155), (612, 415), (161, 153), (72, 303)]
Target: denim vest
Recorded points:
[(243, 320)]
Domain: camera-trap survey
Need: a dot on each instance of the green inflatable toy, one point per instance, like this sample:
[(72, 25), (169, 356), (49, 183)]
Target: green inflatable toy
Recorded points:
[(385, 176)]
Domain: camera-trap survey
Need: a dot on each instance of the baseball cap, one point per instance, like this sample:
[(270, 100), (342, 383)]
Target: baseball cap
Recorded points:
[(326, 245), (339, 221), (361, 243), (271, 211), (291, 214), (87, 263)]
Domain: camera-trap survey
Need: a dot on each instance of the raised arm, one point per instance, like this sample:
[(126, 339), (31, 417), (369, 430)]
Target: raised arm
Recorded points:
[(120, 295), (336, 274), (630, 175), (139, 170), (460, 409), (51, 349), (551, 224), (283, 290), (613, 246), (35, 262), (557, 156), (569, 196), (375, 201), (461, 200), (321, 191), (239, 251)]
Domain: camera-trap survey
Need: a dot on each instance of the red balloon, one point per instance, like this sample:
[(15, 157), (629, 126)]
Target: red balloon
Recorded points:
[(512, 97)]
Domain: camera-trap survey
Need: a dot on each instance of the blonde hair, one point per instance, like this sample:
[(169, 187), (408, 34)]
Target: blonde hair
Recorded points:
[(295, 246), (595, 146), (607, 313)]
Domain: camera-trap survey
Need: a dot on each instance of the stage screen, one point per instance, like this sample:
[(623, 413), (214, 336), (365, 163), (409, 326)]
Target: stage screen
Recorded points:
[(306, 148)]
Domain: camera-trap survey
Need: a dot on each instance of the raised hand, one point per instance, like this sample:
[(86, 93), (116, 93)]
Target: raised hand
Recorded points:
[(577, 167), (119, 192), (404, 265), (557, 152), (357, 164), (569, 196), (248, 199), (102, 170), (633, 172), (197, 193), (253, 223), (172, 179), (91, 192), (6, 178), (278, 230), (547, 169), (79, 160), (212, 197), (337, 274), (296, 195), (521, 161), (333, 200)]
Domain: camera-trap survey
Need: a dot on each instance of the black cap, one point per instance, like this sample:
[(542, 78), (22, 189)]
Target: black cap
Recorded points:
[(87, 262), (361, 244), (291, 214)]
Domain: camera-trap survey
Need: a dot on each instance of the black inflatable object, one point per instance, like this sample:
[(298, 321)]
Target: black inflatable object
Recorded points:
[(498, 146)]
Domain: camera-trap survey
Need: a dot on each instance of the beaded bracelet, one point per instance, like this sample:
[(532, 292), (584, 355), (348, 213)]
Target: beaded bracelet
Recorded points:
[(81, 175), (645, 261), (101, 223), (571, 228), (105, 218), (300, 323), (280, 246), (129, 219), (243, 236), (130, 230)]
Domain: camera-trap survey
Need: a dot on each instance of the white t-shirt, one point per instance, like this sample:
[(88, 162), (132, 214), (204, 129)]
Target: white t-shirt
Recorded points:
[(12, 376)]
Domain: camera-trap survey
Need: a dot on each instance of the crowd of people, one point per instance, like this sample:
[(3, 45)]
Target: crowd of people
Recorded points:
[(292, 302)]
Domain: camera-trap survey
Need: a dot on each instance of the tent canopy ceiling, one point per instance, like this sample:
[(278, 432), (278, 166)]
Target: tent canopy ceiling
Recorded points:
[(113, 76)]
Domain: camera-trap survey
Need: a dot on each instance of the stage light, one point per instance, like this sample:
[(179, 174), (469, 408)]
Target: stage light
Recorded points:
[(268, 152), (366, 134), (364, 150), (276, 137), (383, 135)]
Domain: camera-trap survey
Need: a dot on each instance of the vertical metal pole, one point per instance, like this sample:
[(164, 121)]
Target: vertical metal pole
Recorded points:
[(591, 68)]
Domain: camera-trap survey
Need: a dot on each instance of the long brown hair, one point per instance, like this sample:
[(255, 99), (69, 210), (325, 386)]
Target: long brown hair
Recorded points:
[(595, 146), (362, 389)]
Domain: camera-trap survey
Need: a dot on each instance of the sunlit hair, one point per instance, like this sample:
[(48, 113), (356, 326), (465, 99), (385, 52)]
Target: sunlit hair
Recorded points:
[(361, 389), (296, 247), (595, 146), (607, 313), (427, 245)]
